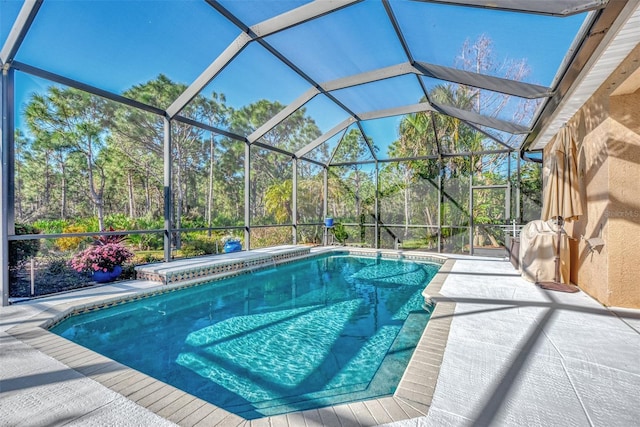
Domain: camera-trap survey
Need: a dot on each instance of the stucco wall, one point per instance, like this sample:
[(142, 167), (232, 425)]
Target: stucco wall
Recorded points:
[(607, 131)]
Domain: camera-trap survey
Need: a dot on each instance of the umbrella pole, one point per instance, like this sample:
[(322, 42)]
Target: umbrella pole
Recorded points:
[(557, 285), (558, 248)]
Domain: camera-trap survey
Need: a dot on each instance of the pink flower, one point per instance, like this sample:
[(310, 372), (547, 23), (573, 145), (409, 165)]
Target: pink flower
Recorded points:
[(101, 257)]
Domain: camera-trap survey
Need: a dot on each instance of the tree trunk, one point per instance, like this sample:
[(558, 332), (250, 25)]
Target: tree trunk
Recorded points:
[(407, 198), (179, 199), (96, 196), (210, 192), (147, 190), (132, 205), (63, 189)]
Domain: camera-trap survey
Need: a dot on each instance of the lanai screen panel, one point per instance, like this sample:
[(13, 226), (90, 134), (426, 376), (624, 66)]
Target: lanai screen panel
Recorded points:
[(271, 187), (351, 201), (510, 139), (531, 191), (305, 125), (342, 44), (117, 45), (310, 193), (352, 193), (353, 147), (310, 202), (82, 156), (208, 174), (449, 35), (381, 95), (492, 169), (409, 202), (384, 136), (323, 152), (489, 103), (268, 86), (456, 176)]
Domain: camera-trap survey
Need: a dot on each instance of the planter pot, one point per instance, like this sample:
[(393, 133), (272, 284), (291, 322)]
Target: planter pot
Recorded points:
[(107, 276), (232, 247), (101, 276), (117, 271)]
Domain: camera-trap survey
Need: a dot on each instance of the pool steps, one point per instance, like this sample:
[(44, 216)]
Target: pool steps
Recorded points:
[(205, 268)]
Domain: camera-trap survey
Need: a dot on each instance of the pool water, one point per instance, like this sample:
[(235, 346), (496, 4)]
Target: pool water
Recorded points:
[(313, 333)]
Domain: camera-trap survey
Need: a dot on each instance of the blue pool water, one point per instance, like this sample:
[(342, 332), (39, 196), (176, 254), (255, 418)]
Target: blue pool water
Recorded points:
[(313, 333)]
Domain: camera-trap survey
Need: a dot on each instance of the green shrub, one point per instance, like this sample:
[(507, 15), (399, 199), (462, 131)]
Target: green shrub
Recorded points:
[(50, 226), (21, 250), (340, 233), (201, 245)]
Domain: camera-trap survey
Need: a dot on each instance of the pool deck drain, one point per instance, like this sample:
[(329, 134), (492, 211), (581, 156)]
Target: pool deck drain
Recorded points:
[(412, 397)]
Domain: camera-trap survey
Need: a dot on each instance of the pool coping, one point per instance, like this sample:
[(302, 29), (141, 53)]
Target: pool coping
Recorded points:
[(411, 399)]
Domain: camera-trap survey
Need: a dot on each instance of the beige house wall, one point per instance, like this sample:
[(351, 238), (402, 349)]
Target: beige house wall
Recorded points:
[(607, 131)]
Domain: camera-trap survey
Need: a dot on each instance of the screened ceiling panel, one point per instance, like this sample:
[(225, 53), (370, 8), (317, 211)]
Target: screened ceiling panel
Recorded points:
[(353, 147), (325, 113), (264, 77), (512, 140), (319, 47), (385, 136), (323, 152), (252, 12), (125, 42), (488, 103), (456, 137), (436, 33), (381, 95), (307, 124)]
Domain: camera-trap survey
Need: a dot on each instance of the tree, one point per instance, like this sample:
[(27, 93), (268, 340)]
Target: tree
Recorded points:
[(139, 137), (69, 121), (269, 168)]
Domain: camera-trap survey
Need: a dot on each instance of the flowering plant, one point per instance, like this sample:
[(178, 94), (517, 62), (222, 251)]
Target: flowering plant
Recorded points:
[(101, 257)]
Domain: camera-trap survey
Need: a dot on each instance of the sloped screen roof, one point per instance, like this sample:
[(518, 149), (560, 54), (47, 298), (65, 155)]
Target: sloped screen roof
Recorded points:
[(367, 67)]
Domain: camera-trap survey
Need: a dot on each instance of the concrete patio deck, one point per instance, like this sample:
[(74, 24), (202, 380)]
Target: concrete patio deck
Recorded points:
[(516, 355)]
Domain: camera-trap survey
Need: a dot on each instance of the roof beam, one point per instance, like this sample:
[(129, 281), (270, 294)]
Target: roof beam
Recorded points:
[(552, 8), (369, 77), (397, 111), (318, 141), (479, 119), (19, 30), (210, 128), (282, 115), (482, 81), (86, 88), (299, 15)]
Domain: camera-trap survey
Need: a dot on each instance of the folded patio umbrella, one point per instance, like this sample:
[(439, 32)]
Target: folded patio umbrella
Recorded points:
[(562, 196)]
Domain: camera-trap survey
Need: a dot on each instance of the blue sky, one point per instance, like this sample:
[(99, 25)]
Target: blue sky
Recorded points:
[(120, 43)]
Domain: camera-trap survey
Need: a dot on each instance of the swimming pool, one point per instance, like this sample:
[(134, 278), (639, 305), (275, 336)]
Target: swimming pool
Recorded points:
[(312, 333)]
